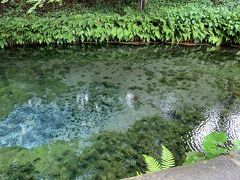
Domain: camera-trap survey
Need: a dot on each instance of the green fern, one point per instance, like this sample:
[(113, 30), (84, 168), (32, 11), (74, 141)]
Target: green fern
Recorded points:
[(152, 164), (138, 173), (167, 158), (167, 161)]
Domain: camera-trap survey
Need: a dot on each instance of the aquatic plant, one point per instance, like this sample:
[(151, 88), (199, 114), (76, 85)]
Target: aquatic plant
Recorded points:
[(214, 144), (26, 172), (118, 155), (49, 160), (112, 155)]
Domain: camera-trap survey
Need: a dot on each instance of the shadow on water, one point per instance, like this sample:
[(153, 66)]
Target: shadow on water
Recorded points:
[(90, 112)]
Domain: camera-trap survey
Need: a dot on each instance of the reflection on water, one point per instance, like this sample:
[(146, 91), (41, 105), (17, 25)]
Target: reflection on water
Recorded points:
[(210, 124), (221, 117), (64, 94), (232, 122)]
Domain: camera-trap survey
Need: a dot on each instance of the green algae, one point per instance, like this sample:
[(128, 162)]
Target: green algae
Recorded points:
[(136, 88), (111, 155), (118, 155), (47, 160), (12, 94)]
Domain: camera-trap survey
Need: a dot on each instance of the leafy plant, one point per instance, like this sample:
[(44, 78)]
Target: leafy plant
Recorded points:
[(152, 164), (193, 23), (40, 3), (236, 145), (34, 4), (214, 144), (167, 161)]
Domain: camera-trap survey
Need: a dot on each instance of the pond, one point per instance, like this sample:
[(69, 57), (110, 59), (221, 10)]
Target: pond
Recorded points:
[(90, 112)]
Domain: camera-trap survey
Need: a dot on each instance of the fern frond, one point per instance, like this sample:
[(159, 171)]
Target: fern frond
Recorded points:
[(152, 164), (167, 158), (138, 173)]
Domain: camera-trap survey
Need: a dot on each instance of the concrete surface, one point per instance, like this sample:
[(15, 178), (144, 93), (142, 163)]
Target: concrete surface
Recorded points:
[(220, 168)]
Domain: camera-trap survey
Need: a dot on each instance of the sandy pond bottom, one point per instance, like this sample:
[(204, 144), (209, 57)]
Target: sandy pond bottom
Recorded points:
[(90, 112)]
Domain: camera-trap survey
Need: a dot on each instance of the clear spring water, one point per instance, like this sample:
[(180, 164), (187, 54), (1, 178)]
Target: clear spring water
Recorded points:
[(49, 95)]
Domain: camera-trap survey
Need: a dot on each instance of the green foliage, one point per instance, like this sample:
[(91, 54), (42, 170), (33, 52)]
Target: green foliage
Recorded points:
[(26, 172), (236, 145), (28, 7), (231, 4), (49, 160), (111, 155), (40, 3), (214, 144), (152, 164), (34, 4), (167, 158), (118, 155), (189, 23), (167, 161), (193, 157)]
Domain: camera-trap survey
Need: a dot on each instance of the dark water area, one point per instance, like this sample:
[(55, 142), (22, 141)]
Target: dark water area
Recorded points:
[(90, 112)]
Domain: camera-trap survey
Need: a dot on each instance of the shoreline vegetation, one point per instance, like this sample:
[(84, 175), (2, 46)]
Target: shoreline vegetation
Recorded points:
[(184, 24), (133, 43)]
